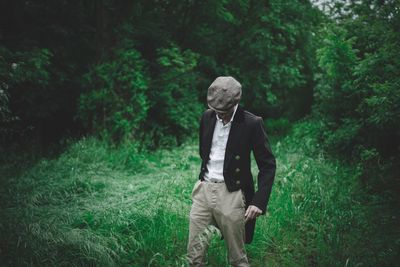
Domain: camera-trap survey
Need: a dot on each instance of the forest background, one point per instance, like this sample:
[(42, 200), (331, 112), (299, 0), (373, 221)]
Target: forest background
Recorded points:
[(98, 88)]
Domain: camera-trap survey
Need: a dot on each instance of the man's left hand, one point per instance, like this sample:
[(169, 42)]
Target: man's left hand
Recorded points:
[(252, 212)]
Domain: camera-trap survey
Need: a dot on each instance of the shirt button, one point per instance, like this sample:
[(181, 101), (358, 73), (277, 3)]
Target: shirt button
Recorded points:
[(237, 182), (237, 170), (237, 157)]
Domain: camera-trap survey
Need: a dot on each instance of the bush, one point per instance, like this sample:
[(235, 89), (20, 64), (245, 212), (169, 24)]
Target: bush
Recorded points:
[(115, 103), (174, 98), (279, 126), (357, 97), (25, 91)]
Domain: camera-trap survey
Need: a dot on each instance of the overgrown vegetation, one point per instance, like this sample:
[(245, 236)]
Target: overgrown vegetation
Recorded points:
[(139, 70), (95, 205), (123, 78)]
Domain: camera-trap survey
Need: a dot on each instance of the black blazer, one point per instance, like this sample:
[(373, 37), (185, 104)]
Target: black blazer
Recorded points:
[(247, 134)]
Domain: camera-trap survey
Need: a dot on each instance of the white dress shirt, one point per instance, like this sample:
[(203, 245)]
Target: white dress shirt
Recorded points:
[(215, 166)]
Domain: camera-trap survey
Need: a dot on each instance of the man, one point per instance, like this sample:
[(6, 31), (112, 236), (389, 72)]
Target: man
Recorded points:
[(224, 195)]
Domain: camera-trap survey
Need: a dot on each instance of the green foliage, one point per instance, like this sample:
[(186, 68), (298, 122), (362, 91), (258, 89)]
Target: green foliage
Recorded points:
[(356, 96), (271, 55), (335, 90), (95, 204), (122, 102), (173, 96), (180, 48), (378, 80), (25, 76), (32, 67), (136, 73), (115, 104), (5, 67), (278, 127), (337, 56)]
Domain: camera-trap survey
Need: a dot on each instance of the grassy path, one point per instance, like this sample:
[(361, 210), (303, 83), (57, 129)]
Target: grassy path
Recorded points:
[(93, 206)]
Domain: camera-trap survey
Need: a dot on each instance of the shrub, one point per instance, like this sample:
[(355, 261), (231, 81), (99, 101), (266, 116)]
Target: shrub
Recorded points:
[(25, 92), (174, 99), (115, 103), (279, 126)]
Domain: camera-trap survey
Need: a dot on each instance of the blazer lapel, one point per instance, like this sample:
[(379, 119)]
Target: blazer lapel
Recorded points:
[(234, 135), (209, 132)]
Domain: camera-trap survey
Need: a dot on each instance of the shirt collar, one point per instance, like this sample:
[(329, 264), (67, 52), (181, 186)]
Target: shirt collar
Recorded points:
[(233, 115)]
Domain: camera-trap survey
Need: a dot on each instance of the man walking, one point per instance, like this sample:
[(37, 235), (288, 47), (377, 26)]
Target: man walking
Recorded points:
[(224, 195)]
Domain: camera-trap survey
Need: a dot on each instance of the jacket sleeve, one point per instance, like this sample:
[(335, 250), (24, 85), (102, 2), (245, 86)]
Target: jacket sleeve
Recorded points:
[(266, 165)]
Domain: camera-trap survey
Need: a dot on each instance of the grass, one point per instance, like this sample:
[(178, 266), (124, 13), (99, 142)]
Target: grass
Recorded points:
[(96, 206)]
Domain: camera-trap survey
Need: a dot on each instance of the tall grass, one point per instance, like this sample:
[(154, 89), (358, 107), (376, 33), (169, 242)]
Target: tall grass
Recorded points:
[(98, 206)]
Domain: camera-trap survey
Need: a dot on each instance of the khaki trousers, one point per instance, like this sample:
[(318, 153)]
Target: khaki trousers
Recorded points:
[(213, 204)]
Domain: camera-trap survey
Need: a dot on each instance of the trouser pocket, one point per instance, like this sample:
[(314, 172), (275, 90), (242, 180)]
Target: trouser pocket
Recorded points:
[(196, 187)]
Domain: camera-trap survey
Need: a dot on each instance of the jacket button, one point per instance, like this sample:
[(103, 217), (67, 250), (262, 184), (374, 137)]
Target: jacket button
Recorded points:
[(237, 170), (203, 169), (238, 182), (237, 157)]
